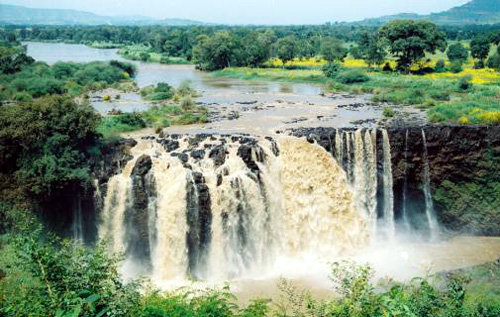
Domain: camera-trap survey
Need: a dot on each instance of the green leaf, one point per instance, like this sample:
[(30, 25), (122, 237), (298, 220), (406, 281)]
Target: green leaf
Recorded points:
[(92, 298), (102, 312)]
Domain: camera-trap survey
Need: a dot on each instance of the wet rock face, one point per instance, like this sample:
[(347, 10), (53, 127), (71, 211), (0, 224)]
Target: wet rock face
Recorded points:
[(251, 153), (114, 158), (199, 218), (136, 217), (464, 171), (218, 154)]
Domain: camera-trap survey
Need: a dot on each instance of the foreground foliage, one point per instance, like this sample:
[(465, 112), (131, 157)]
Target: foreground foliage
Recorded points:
[(45, 276)]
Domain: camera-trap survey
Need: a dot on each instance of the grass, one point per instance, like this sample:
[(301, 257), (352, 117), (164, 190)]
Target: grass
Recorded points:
[(275, 74), (112, 125)]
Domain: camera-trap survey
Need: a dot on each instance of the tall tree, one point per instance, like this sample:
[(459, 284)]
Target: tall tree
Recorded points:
[(333, 50), (287, 48), (480, 49), (215, 52), (410, 40), (457, 53), (372, 49)]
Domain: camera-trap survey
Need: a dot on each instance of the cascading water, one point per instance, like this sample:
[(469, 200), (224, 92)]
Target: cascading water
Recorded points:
[(429, 206), (77, 227), (223, 207), (389, 222), (406, 219)]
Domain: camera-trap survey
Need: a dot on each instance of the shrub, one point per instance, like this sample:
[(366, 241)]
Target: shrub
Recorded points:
[(387, 68), (22, 97), (463, 120), (159, 96), (464, 83), (440, 95), (331, 70), (494, 61), (186, 89), (351, 77), (456, 67), (143, 56), (106, 98), (51, 277), (187, 103), (440, 66), (165, 60), (388, 112)]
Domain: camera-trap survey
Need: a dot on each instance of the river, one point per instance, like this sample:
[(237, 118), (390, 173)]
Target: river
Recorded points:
[(263, 107)]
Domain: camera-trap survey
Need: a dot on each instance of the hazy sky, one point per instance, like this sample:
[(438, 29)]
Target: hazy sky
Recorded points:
[(249, 11)]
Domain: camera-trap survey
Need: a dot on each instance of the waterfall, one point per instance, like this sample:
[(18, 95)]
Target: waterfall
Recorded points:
[(219, 207), (429, 206), (361, 168), (406, 220), (339, 147), (77, 226), (388, 216), (359, 179), (371, 178)]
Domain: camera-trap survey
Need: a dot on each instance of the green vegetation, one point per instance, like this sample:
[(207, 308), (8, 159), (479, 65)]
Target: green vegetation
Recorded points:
[(425, 38), (30, 80), (47, 276), (472, 203), (160, 91), (146, 53), (50, 140), (113, 124)]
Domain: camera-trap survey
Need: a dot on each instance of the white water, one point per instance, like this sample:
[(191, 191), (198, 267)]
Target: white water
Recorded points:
[(389, 222), (429, 206), (299, 205)]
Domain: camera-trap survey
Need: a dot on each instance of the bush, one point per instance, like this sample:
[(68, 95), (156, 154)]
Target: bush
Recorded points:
[(387, 68), (351, 77), (143, 56), (331, 70), (440, 95), (456, 67), (162, 91), (464, 83), (187, 103), (47, 276), (120, 122), (463, 120), (388, 112), (186, 89), (106, 98), (440, 66)]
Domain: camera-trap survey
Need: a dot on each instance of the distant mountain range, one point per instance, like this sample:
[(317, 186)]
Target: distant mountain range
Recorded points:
[(19, 15), (473, 12)]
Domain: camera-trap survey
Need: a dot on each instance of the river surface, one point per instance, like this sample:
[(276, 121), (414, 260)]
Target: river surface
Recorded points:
[(262, 107)]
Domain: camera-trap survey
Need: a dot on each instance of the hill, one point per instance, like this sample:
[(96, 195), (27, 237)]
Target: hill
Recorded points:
[(19, 15), (473, 12)]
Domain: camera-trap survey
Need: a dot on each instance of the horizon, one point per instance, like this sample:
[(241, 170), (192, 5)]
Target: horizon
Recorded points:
[(247, 12)]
